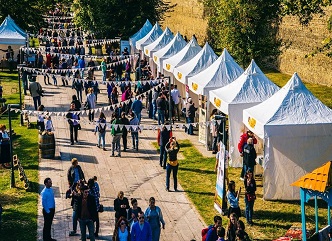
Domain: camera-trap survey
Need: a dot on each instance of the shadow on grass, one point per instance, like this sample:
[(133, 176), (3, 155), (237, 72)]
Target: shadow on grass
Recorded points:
[(201, 193), (197, 170)]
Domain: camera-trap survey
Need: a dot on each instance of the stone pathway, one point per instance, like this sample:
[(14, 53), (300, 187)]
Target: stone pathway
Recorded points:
[(138, 174)]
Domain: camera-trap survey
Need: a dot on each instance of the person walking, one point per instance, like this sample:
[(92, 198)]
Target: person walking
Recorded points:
[(172, 148), (242, 142), (125, 123), (86, 213), (121, 230), (161, 107), (91, 103), (141, 230), (155, 218), (78, 86), (104, 69), (41, 118), (73, 120), (121, 205), (249, 155), (101, 130), (164, 137), (48, 203), (176, 98), (116, 133), (36, 92), (250, 196), (133, 211), (94, 191), (190, 115), (134, 122), (74, 174), (137, 107)]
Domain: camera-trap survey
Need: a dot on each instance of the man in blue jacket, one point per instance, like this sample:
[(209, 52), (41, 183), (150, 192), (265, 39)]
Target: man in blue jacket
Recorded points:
[(212, 234), (137, 107), (141, 230)]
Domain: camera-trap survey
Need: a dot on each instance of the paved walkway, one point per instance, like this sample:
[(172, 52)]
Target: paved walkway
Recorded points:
[(138, 174)]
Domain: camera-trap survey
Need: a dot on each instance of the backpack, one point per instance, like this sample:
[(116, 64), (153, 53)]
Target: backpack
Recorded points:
[(205, 231), (101, 129)]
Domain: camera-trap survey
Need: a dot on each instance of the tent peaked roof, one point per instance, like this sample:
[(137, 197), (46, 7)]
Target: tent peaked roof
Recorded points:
[(251, 87), (151, 36), (10, 33), (293, 104), (318, 180), (187, 53), (159, 43), (141, 33), (173, 47), (221, 73), (198, 63)]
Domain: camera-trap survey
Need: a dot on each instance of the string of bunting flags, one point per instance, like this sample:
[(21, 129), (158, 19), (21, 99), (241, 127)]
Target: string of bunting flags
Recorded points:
[(73, 70), (61, 29), (68, 38), (106, 41), (43, 51), (86, 112), (57, 17)]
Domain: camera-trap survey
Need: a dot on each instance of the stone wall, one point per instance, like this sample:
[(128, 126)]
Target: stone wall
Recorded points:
[(187, 18)]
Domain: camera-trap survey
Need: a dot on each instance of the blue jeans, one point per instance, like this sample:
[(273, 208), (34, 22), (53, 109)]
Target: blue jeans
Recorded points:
[(134, 136), (75, 219), (161, 117), (249, 209), (154, 109), (101, 137), (190, 128), (87, 223), (169, 169), (138, 115), (104, 76), (163, 156)]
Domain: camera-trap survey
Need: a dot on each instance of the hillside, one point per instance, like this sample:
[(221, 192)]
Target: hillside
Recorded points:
[(187, 18)]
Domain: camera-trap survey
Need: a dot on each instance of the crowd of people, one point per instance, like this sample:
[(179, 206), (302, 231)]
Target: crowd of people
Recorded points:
[(163, 104)]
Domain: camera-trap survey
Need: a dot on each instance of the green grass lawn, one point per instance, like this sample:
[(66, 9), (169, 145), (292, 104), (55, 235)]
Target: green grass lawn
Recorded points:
[(19, 219), (272, 218)]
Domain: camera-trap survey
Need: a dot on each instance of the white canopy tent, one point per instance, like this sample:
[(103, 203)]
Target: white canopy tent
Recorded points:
[(251, 88), (197, 64), (154, 33), (140, 34), (297, 132), (187, 53), (172, 48), (222, 72), (159, 43), (11, 34)]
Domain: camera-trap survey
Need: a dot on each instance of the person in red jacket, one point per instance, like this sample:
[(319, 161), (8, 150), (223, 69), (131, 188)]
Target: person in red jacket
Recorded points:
[(243, 141)]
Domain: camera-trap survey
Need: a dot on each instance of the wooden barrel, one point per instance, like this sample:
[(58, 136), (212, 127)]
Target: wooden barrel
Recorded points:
[(46, 144)]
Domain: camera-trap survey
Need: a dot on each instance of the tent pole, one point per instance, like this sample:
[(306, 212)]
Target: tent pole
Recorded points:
[(304, 231), (316, 214)]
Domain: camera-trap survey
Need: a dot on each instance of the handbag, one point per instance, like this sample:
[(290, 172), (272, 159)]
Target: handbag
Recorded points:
[(101, 208), (251, 197)]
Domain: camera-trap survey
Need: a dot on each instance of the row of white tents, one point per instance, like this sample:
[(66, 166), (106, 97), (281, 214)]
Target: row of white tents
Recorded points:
[(11, 35), (293, 125)]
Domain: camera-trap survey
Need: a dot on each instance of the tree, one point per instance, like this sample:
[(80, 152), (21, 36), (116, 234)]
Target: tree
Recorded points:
[(247, 28), (111, 18), (26, 13)]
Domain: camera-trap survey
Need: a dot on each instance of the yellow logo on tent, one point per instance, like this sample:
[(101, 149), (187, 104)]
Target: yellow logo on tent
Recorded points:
[(155, 58), (168, 66), (251, 122), (146, 51), (194, 86), (217, 101), (179, 75)]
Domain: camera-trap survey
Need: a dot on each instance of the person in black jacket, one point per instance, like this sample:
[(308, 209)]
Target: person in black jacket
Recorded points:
[(71, 174), (73, 120), (86, 213), (250, 196), (163, 140), (172, 148), (249, 155), (125, 121), (121, 205)]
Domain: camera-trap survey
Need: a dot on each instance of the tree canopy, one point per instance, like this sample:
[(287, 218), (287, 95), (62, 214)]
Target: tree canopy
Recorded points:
[(111, 18)]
